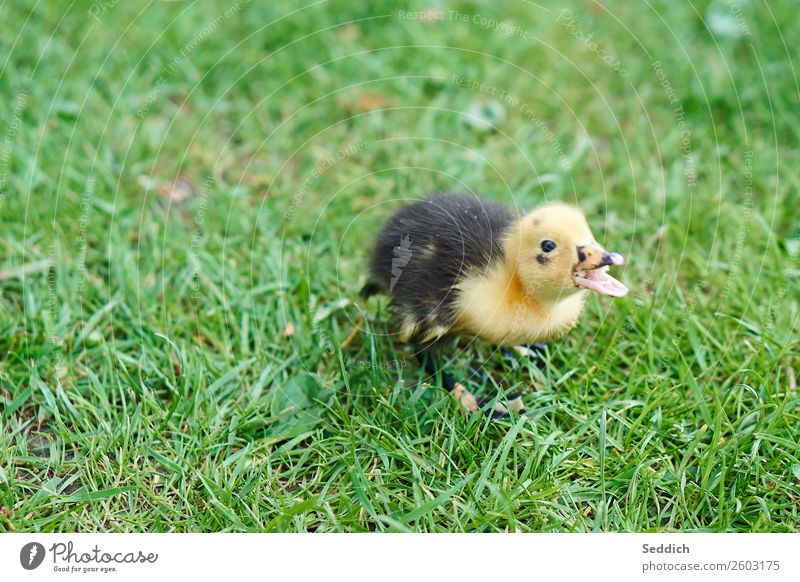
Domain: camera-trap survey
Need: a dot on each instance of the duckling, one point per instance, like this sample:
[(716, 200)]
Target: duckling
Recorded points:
[(457, 265)]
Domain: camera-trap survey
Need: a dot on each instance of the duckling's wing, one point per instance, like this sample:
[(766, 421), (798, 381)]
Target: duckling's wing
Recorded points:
[(426, 249)]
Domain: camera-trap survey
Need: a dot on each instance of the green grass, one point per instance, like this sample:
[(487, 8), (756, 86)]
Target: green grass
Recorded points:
[(202, 362)]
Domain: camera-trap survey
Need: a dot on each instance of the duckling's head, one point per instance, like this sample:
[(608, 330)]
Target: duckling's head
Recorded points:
[(555, 255)]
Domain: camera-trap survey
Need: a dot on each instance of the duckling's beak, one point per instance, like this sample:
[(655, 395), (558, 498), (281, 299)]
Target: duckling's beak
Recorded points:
[(591, 270)]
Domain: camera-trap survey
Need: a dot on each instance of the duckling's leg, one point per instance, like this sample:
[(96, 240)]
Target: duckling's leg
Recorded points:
[(464, 396), (512, 400), (456, 389), (535, 351)]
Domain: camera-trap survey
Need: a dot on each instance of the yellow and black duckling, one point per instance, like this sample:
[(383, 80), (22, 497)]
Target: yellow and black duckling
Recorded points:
[(458, 265)]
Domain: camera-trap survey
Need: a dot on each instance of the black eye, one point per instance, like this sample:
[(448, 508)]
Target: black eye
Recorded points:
[(548, 246)]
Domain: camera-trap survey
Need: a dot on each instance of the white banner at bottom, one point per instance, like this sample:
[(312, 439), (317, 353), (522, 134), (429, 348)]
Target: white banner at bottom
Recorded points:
[(388, 557)]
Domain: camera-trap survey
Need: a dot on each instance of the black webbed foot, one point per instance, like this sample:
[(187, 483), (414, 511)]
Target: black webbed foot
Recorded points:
[(456, 390), (536, 352), (503, 409), (467, 400)]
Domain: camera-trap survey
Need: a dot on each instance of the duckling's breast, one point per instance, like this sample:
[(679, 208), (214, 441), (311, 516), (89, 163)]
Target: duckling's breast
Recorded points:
[(494, 307)]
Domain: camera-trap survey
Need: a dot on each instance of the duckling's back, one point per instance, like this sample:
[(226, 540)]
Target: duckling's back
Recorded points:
[(423, 252)]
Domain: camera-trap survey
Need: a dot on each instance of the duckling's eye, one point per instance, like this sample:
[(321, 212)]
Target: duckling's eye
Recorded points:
[(548, 246)]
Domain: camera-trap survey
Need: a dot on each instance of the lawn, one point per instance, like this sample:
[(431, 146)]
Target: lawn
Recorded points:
[(188, 192)]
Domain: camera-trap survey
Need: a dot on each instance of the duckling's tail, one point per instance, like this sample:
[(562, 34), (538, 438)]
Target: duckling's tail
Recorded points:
[(371, 288)]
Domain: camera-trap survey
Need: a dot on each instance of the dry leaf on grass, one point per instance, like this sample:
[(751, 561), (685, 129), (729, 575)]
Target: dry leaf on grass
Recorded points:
[(363, 102), (178, 191)]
